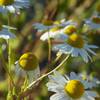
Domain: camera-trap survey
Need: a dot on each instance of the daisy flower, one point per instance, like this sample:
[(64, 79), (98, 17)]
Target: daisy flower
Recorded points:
[(49, 24), (94, 22), (44, 26), (28, 65), (70, 88), (13, 6), (75, 46), (57, 31), (5, 33)]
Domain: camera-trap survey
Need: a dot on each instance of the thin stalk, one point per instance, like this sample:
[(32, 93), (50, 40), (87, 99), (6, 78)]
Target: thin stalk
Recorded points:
[(43, 76), (9, 55), (49, 46), (9, 63)]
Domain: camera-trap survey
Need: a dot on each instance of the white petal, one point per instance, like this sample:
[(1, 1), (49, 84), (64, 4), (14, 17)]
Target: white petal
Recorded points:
[(57, 80), (75, 52), (19, 71), (75, 76), (89, 50), (91, 93), (11, 9), (6, 34), (83, 55), (34, 74), (56, 73), (92, 46), (59, 96), (54, 87)]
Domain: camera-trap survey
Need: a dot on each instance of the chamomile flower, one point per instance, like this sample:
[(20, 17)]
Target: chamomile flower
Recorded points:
[(13, 6), (28, 65), (57, 31), (44, 26), (70, 88), (94, 22), (5, 33), (75, 46)]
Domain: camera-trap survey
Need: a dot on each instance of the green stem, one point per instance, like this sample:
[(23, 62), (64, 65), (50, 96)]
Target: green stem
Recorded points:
[(49, 44), (9, 54), (43, 76), (9, 62)]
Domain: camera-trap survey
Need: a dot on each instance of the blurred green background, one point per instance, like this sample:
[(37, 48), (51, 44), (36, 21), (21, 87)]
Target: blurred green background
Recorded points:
[(28, 40)]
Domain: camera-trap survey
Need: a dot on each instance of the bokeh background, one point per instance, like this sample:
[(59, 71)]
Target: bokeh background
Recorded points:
[(28, 41)]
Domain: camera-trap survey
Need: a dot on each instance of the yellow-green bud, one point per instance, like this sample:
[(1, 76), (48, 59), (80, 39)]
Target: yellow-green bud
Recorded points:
[(28, 61)]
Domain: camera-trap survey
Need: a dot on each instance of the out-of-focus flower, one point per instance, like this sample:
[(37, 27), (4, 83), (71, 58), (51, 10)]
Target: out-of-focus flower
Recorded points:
[(5, 32), (13, 6), (70, 88), (46, 25), (94, 22), (59, 32), (75, 46), (28, 65)]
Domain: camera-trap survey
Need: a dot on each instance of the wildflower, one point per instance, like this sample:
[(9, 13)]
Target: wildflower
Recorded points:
[(28, 65), (5, 33), (69, 88), (49, 24), (59, 32), (94, 22), (13, 6), (76, 46), (44, 26)]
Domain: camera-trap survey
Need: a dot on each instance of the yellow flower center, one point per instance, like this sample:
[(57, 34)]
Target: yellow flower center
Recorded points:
[(57, 22), (98, 8), (75, 41), (47, 22), (96, 20), (28, 61), (74, 88), (55, 29), (6, 2), (70, 29)]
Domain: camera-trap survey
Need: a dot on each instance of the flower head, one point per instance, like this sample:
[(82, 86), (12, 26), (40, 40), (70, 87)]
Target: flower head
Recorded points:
[(94, 22), (70, 88), (76, 46), (44, 26), (70, 29), (28, 63), (13, 6), (57, 31)]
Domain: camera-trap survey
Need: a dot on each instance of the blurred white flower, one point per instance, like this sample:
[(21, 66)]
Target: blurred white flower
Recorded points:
[(94, 22), (5, 33), (56, 32), (13, 6), (75, 46), (70, 88)]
